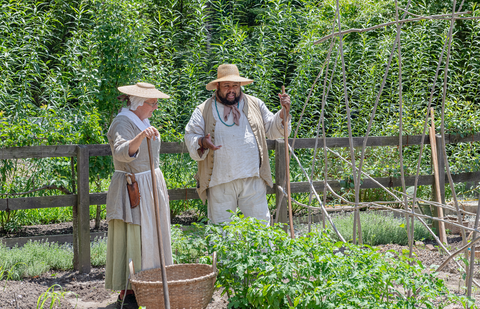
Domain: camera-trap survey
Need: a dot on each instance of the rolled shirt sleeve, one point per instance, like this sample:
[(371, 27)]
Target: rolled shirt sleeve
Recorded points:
[(272, 122), (121, 135), (193, 131)]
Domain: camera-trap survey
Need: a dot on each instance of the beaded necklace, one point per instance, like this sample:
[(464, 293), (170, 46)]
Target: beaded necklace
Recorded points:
[(228, 125)]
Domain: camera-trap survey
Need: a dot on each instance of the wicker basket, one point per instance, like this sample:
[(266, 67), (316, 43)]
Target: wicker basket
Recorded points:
[(189, 286)]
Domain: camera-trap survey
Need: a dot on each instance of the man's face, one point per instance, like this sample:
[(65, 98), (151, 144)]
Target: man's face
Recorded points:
[(229, 93)]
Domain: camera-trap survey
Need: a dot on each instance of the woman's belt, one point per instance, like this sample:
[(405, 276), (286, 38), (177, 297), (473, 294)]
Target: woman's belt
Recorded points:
[(141, 173)]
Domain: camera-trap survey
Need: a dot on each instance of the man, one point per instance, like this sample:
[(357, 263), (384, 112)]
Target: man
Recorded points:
[(226, 135)]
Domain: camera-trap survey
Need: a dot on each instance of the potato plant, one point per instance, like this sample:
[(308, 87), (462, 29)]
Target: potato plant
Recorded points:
[(264, 268)]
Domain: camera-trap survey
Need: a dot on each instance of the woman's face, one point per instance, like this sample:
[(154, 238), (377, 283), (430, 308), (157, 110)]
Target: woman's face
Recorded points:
[(147, 109)]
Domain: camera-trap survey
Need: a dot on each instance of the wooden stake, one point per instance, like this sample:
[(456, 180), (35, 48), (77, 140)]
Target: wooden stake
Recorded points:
[(159, 231), (433, 142), (287, 165)]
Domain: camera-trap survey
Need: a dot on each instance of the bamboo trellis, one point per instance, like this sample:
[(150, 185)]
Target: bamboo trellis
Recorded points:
[(399, 197)]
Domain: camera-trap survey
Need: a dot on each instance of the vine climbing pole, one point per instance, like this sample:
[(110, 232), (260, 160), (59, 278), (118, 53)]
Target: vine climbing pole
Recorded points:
[(439, 155)]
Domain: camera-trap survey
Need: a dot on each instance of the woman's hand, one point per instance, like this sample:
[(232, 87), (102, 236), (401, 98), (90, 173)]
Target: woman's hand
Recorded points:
[(150, 132)]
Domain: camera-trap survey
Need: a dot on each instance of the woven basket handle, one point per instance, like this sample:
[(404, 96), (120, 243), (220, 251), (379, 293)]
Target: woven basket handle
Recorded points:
[(132, 269), (214, 261)]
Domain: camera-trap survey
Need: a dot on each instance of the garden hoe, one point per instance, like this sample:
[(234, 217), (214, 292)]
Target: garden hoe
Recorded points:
[(159, 231)]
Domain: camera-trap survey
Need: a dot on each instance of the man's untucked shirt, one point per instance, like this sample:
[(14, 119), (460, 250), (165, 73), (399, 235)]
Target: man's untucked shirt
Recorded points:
[(238, 157)]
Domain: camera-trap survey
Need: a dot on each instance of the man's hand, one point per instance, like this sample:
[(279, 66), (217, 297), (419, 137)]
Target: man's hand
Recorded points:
[(285, 102), (206, 143)]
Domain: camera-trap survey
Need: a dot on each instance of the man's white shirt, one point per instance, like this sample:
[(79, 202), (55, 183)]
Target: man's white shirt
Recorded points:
[(238, 157)]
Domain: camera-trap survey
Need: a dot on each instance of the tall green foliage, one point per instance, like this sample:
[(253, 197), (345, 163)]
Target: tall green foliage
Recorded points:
[(71, 56)]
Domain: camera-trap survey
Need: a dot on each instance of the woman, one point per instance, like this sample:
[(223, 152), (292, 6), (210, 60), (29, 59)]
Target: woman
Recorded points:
[(132, 232)]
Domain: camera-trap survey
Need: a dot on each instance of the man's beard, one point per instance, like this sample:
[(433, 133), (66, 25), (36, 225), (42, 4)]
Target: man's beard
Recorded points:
[(224, 101)]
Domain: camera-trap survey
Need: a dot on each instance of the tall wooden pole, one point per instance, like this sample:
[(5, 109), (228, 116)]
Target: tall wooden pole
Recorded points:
[(287, 164), (433, 142), (159, 230)]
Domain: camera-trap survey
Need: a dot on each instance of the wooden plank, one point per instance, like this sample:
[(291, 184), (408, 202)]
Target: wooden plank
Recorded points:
[(179, 147), (166, 147), (182, 194), (465, 177), (99, 150), (373, 141), (40, 202), (271, 144), (457, 138), (38, 152), (98, 198), (173, 147), (299, 187), (190, 193), (379, 141), (61, 239), (82, 226)]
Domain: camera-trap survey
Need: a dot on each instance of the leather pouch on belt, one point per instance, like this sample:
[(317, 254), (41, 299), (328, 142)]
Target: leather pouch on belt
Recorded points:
[(133, 192)]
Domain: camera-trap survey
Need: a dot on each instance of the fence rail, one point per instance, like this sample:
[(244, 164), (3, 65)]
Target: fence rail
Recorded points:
[(83, 199)]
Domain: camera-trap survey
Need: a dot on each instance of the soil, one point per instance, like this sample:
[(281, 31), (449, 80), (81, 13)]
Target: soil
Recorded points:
[(80, 291), (88, 291)]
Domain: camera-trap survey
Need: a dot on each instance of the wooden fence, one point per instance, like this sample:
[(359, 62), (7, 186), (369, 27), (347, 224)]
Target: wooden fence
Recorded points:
[(83, 199)]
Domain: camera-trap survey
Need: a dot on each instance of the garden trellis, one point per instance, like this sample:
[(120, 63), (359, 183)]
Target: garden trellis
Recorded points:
[(399, 197)]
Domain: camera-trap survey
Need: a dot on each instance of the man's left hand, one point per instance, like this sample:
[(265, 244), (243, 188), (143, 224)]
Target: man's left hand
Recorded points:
[(285, 102)]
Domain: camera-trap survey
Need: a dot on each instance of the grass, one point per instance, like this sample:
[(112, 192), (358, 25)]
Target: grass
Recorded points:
[(36, 258), (378, 228), (53, 296)]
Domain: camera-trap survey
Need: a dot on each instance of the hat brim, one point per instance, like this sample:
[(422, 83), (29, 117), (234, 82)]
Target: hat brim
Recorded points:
[(229, 78), (148, 93)]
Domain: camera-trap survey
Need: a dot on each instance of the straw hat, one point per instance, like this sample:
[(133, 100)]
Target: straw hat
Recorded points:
[(143, 90), (228, 73)]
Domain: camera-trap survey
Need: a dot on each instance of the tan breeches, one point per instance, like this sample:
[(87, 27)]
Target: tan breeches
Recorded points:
[(248, 194)]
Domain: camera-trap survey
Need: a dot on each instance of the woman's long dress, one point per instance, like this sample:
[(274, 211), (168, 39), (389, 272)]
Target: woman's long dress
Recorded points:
[(132, 232)]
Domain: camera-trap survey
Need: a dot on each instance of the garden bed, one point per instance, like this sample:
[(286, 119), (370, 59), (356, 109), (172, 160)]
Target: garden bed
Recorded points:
[(92, 294)]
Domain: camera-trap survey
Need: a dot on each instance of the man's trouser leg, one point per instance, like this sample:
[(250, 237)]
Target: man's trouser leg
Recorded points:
[(249, 194)]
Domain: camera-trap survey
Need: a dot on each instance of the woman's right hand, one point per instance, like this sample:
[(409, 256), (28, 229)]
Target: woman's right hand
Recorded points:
[(150, 132)]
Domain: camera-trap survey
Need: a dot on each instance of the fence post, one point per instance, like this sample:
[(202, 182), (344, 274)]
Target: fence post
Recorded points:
[(441, 180), (280, 179), (81, 214)]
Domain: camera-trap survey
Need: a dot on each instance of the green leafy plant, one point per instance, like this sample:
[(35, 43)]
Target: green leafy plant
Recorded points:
[(263, 268), (7, 274), (53, 296)]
